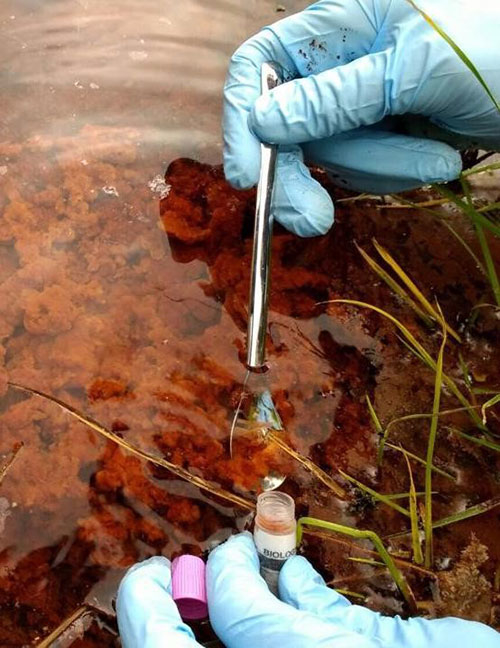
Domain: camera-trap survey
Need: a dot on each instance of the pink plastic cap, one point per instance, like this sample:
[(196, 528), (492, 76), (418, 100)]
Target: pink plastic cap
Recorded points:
[(188, 587)]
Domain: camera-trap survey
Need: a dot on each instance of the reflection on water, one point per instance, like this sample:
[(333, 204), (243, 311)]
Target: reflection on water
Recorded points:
[(124, 294), (155, 66)]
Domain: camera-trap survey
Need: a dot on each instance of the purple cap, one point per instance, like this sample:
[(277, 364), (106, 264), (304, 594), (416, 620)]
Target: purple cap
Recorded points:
[(188, 587)]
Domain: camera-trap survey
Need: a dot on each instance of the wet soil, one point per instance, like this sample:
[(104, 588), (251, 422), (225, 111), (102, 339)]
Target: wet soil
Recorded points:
[(125, 296)]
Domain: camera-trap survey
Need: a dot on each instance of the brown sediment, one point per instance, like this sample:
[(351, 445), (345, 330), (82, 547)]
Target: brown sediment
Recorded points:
[(134, 312)]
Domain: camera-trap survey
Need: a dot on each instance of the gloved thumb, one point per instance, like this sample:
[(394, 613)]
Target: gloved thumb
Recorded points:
[(300, 203), (300, 585), (324, 104)]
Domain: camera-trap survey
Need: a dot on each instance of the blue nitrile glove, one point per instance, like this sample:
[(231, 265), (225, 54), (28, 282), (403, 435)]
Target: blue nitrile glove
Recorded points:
[(245, 614), (356, 64), (147, 614)]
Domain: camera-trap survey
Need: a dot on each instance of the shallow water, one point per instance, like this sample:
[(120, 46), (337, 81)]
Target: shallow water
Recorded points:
[(124, 295)]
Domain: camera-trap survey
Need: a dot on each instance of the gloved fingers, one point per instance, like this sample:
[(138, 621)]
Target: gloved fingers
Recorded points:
[(325, 35), (147, 615), (245, 614), (235, 588), (241, 89), (331, 102), (300, 203), (300, 585), (384, 162)]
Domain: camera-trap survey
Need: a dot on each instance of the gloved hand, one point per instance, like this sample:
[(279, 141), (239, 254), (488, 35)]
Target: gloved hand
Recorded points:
[(147, 614), (359, 63), (244, 613)]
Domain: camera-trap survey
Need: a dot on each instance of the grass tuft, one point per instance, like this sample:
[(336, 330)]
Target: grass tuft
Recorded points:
[(420, 352)]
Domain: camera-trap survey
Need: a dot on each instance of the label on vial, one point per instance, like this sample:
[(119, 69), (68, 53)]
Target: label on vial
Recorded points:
[(273, 550)]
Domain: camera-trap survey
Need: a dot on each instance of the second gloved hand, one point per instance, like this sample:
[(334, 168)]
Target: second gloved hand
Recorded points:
[(244, 613), (147, 614), (362, 70)]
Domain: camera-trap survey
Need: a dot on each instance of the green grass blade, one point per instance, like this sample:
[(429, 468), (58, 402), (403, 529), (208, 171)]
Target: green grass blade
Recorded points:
[(483, 242), (487, 208), (458, 51), (465, 372), (486, 443), (418, 459), (412, 287), (468, 513), (438, 385), (378, 496), (415, 531), (397, 576), (377, 425), (481, 169), (475, 216), (406, 495), (490, 403)]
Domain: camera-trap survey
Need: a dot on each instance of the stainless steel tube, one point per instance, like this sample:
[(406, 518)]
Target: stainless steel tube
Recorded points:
[(261, 256)]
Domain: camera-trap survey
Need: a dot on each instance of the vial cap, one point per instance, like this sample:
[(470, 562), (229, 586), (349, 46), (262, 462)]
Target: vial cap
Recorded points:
[(188, 587)]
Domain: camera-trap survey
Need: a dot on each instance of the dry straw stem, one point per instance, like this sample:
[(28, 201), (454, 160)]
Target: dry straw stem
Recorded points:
[(182, 473), (61, 629), (393, 285), (351, 594), (419, 350), (10, 462), (415, 531), (438, 385), (413, 288), (308, 465), (397, 576)]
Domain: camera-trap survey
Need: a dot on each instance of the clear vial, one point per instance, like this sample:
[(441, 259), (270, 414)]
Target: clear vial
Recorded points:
[(275, 534)]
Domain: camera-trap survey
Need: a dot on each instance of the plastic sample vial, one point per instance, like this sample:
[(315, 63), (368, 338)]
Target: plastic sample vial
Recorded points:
[(274, 534)]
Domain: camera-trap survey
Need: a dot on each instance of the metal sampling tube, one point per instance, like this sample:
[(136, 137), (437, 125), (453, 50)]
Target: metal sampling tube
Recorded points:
[(261, 255)]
